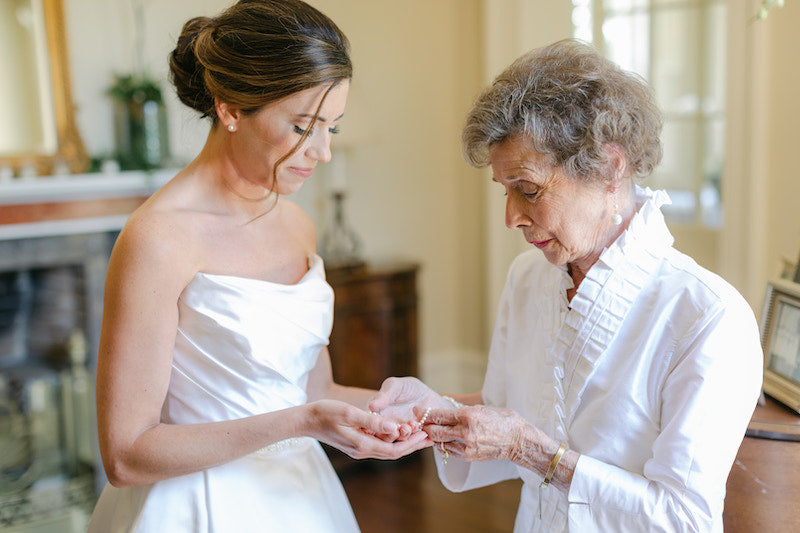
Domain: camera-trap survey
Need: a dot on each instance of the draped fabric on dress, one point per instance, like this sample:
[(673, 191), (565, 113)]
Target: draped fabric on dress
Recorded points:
[(243, 347)]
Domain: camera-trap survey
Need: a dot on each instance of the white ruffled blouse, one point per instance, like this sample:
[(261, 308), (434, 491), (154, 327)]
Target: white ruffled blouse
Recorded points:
[(651, 373)]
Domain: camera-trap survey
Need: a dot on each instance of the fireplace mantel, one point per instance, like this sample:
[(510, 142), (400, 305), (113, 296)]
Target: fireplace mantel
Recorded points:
[(85, 203), (49, 189)]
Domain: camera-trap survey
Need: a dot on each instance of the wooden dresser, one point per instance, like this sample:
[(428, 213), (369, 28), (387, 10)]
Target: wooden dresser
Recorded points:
[(374, 323)]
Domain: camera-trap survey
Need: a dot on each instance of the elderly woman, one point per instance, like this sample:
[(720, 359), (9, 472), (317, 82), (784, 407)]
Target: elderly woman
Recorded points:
[(621, 374)]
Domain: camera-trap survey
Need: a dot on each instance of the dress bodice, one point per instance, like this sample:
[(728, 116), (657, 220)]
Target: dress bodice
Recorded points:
[(245, 346)]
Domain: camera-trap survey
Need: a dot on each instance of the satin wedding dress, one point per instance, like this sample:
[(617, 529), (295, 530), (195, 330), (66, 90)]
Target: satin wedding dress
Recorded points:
[(243, 347)]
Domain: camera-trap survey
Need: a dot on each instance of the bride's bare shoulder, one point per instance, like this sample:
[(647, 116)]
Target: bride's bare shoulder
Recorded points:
[(175, 212), (160, 236)]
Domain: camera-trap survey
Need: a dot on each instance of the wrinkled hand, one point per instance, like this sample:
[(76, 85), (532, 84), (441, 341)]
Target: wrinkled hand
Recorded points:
[(399, 396), (358, 433), (476, 433)]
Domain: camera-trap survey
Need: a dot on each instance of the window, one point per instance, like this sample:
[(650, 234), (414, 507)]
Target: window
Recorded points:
[(679, 47)]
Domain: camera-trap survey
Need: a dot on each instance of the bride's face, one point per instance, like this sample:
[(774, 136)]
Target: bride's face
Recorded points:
[(268, 135)]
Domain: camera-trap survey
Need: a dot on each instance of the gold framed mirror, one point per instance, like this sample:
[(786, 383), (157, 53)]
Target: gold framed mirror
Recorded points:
[(38, 131)]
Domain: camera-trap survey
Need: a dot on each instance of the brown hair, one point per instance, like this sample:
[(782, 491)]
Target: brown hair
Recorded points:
[(257, 52), (569, 102)]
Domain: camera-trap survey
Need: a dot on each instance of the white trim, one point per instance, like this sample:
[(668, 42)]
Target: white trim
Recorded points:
[(83, 187), (742, 249), (53, 228)]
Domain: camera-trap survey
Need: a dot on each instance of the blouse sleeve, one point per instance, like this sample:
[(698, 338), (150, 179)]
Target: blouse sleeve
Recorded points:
[(708, 397)]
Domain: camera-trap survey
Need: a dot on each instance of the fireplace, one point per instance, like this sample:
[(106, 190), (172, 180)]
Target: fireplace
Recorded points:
[(56, 236), (55, 239), (51, 290)]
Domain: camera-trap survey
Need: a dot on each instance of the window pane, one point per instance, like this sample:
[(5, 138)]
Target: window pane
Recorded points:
[(680, 47), (675, 73), (715, 38), (677, 170), (676, 3), (626, 41), (714, 151), (713, 156), (582, 20), (623, 5)]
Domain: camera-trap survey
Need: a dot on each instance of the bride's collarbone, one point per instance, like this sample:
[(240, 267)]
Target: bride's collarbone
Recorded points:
[(265, 259)]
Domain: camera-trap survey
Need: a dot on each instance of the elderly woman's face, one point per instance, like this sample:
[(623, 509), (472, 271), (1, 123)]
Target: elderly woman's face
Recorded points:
[(568, 219)]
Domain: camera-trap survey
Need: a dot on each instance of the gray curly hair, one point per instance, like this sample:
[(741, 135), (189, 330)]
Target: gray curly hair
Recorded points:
[(569, 102)]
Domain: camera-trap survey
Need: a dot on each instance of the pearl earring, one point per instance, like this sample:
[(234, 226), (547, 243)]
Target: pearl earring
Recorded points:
[(616, 218), (231, 127)]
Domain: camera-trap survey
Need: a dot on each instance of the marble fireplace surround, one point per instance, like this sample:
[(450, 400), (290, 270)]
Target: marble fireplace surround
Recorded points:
[(56, 235)]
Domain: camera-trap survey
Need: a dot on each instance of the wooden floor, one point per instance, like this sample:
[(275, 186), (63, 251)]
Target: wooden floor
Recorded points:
[(405, 496)]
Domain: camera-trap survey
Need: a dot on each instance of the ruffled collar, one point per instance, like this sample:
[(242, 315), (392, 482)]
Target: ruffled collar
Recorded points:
[(647, 229), (602, 302)]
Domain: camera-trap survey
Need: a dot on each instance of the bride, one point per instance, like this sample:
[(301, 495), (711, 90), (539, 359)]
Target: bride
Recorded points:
[(213, 378)]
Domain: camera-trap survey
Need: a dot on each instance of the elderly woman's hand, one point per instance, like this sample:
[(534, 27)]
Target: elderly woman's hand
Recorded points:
[(476, 433), (483, 433)]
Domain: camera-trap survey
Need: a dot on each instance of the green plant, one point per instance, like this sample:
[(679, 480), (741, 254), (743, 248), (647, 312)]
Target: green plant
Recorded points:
[(766, 5), (130, 88), (140, 125)]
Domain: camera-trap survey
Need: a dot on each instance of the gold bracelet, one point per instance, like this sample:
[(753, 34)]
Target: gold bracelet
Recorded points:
[(550, 473), (553, 464)]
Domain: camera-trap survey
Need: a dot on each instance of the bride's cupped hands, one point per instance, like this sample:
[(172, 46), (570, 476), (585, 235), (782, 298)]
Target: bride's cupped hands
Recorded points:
[(361, 434)]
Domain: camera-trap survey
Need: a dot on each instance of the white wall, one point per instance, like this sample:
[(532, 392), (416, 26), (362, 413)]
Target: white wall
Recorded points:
[(783, 137)]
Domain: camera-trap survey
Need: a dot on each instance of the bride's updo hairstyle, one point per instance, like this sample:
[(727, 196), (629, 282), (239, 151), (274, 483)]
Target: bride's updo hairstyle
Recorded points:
[(257, 52)]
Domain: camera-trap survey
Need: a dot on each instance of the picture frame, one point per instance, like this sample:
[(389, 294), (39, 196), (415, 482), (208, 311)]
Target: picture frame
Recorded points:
[(780, 341)]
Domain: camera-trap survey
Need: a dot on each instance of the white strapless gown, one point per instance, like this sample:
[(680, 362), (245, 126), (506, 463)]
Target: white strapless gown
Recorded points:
[(243, 347)]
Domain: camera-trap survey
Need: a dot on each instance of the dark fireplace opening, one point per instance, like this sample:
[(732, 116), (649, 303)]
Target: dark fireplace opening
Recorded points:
[(50, 309), (39, 309)]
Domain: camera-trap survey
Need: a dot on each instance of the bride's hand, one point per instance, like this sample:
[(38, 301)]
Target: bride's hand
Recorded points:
[(358, 433), (398, 397)]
